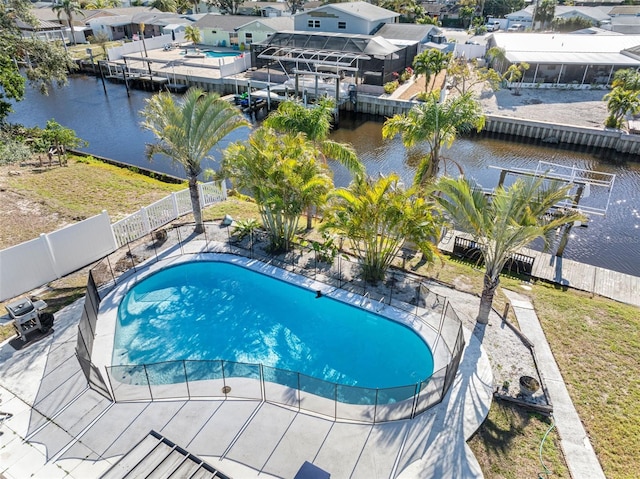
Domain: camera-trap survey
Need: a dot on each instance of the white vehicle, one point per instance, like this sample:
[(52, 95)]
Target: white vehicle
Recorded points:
[(493, 26), (516, 27)]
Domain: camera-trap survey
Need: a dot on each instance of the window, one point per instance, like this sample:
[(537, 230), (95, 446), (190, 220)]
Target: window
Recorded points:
[(213, 32), (233, 39), (342, 25), (313, 23), (248, 37)]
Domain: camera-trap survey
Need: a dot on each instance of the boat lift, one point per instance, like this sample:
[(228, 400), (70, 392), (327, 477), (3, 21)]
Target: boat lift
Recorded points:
[(583, 181)]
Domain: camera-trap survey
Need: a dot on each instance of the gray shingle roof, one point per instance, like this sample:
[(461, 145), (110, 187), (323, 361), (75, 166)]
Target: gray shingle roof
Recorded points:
[(406, 31), (361, 9), (225, 22)]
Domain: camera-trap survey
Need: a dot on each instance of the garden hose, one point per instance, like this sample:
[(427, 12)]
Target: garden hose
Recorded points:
[(547, 472)]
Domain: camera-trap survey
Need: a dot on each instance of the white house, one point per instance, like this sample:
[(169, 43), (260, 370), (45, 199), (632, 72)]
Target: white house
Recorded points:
[(351, 18)]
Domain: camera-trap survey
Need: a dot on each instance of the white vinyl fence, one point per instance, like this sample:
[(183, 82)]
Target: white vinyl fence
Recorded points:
[(33, 263)]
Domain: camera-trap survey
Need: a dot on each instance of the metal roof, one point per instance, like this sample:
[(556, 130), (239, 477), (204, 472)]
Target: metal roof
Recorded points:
[(567, 48)]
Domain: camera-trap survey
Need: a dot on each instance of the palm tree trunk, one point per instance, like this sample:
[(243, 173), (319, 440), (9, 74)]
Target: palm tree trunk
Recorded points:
[(486, 299), (194, 193), (310, 217)]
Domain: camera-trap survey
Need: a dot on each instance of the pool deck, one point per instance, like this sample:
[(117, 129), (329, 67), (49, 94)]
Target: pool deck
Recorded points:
[(62, 429)]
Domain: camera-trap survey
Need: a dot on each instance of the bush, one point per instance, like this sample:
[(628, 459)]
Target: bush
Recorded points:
[(12, 151), (391, 86)]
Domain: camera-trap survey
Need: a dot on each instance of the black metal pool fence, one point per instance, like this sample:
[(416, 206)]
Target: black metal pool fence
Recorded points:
[(227, 379)]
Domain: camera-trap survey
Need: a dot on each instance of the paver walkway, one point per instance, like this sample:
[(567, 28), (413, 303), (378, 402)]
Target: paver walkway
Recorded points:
[(579, 454)]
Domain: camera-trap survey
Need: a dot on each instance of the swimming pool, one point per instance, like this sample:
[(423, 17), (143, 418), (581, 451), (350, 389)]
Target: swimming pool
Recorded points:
[(212, 310), (219, 54)]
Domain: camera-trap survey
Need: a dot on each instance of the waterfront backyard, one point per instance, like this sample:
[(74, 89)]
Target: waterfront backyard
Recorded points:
[(602, 385)]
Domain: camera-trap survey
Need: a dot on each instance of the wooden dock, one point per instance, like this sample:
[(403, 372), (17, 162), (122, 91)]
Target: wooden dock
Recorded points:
[(585, 277)]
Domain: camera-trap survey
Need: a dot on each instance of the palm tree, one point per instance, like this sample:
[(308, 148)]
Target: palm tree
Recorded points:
[(98, 4), (315, 123), (627, 78), (506, 222), (69, 8), (544, 12), (515, 75), (284, 176), (187, 132), (429, 63), (620, 103), (436, 123), (192, 34), (377, 217)]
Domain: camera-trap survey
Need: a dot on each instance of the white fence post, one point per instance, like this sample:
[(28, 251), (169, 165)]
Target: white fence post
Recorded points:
[(176, 211), (50, 254), (145, 220)]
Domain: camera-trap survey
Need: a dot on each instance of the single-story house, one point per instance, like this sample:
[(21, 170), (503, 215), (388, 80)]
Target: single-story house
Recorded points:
[(575, 60), (239, 31), (360, 18)]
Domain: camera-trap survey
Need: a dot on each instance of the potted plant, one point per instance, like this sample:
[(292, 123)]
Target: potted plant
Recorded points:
[(528, 385)]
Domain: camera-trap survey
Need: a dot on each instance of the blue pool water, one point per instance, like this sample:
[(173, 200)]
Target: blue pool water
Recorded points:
[(216, 310), (216, 54)]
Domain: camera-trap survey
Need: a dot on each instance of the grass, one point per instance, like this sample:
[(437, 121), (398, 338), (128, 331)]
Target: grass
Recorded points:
[(595, 340), (61, 195), (507, 445)]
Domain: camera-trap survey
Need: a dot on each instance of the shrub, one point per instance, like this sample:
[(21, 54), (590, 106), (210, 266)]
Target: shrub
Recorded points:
[(12, 151), (391, 86)]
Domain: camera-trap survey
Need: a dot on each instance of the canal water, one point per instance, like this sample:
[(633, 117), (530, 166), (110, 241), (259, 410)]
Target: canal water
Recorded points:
[(111, 125)]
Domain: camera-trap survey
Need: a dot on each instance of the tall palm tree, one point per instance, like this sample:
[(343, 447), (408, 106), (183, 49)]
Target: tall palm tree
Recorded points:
[(165, 5), (284, 174), (315, 123), (377, 217), (188, 131), (515, 74), (504, 223), (69, 8), (436, 123)]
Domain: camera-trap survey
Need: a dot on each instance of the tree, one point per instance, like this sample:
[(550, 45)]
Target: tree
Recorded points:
[(466, 14), (188, 131), (515, 74), (464, 75), (627, 78), (436, 123), (504, 223), (500, 8), (60, 139), (377, 217), (294, 5), (69, 8), (44, 62), (620, 103), (164, 5), (497, 57), (284, 174), (315, 123), (192, 34), (544, 12), (429, 63), (226, 7)]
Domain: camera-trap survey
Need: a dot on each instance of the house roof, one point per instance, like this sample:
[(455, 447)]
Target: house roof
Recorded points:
[(277, 5), (358, 9), (224, 22), (625, 10), (596, 13), (277, 23), (567, 48), (407, 31)]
